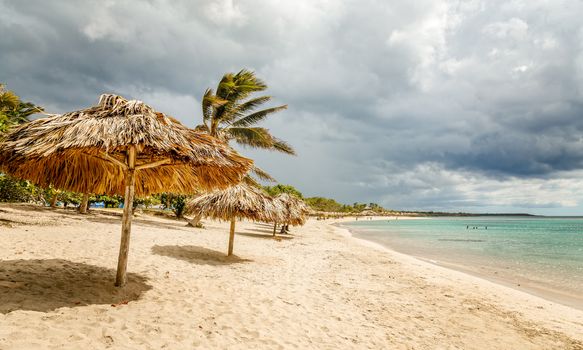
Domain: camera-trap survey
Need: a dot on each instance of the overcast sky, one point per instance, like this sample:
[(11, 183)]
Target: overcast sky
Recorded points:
[(436, 105)]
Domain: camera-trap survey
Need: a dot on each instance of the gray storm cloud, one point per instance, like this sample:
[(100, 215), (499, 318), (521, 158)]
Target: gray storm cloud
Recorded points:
[(419, 105)]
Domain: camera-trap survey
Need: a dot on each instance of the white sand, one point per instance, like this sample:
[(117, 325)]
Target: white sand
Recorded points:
[(319, 288)]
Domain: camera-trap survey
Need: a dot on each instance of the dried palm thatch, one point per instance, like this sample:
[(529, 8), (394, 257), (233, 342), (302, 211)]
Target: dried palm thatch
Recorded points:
[(240, 201), (119, 147), (86, 150), (295, 211)]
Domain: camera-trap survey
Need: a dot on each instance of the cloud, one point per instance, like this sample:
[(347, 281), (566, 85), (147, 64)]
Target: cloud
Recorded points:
[(224, 13), (443, 189), (419, 104)]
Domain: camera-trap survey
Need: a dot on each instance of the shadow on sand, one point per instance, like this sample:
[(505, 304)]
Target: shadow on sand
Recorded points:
[(46, 285), (178, 225), (197, 255), (261, 233)]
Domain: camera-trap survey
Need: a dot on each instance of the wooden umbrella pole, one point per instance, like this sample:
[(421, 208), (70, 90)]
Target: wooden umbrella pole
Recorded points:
[(274, 228), (126, 223), (195, 220), (54, 200), (231, 237), (84, 203)]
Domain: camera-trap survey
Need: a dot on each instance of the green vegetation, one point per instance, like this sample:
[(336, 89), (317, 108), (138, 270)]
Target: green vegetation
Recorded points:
[(148, 201), (326, 205), (174, 202), (109, 201), (13, 111), (330, 205), (321, 203), (68, 197), (14, 190), (279, 188)]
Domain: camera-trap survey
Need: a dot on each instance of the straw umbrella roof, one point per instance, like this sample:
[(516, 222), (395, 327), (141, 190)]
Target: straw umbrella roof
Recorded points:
[(86, 150), (295, 211), (119, 147), (239, 201)]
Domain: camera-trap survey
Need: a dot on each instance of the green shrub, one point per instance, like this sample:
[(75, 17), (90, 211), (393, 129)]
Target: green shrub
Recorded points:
[(14, 190)]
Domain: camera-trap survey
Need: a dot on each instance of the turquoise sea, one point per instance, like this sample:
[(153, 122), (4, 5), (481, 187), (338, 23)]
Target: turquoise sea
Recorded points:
[(541, 255)]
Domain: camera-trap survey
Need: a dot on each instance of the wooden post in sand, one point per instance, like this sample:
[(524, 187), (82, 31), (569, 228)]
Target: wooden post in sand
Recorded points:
[(274, 228), (84, 203), (195, 220), (126, 223), (54, 200), (231, 237)]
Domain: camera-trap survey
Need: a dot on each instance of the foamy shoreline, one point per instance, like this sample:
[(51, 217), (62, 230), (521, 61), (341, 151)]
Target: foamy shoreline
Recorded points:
[(315, 289)]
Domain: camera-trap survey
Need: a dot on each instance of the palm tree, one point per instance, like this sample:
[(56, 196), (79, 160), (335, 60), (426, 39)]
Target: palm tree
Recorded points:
[(8, 99), (13, 111), (8, 103), (230, 114)]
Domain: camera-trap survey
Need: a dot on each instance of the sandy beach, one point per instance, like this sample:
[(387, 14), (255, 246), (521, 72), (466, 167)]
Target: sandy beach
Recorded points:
[(317, 288)]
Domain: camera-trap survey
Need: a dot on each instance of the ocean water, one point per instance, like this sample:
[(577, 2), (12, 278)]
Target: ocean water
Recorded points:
[(541, 255)]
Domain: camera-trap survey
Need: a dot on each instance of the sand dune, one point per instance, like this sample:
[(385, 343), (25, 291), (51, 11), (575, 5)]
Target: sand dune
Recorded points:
[(319, 288)]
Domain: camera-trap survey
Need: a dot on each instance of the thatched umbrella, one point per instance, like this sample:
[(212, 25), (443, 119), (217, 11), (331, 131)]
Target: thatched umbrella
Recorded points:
[(240, 201), (295, 211), (119, 147)]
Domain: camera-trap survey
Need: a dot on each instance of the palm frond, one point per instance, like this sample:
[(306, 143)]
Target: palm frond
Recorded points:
[(251, 104), (239, 86), (8, 100), (248, 79), (225, 86), (258, 116), (249, 180), (207, 105), (25, 110), (262, 174), (212, 105), (284, 147), (253, 137)]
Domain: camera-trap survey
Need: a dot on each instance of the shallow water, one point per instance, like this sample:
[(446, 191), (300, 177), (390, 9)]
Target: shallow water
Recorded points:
[(541, 255)]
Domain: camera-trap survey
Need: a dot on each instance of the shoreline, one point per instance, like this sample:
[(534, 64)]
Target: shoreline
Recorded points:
[(519, 284), (526, 286)]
